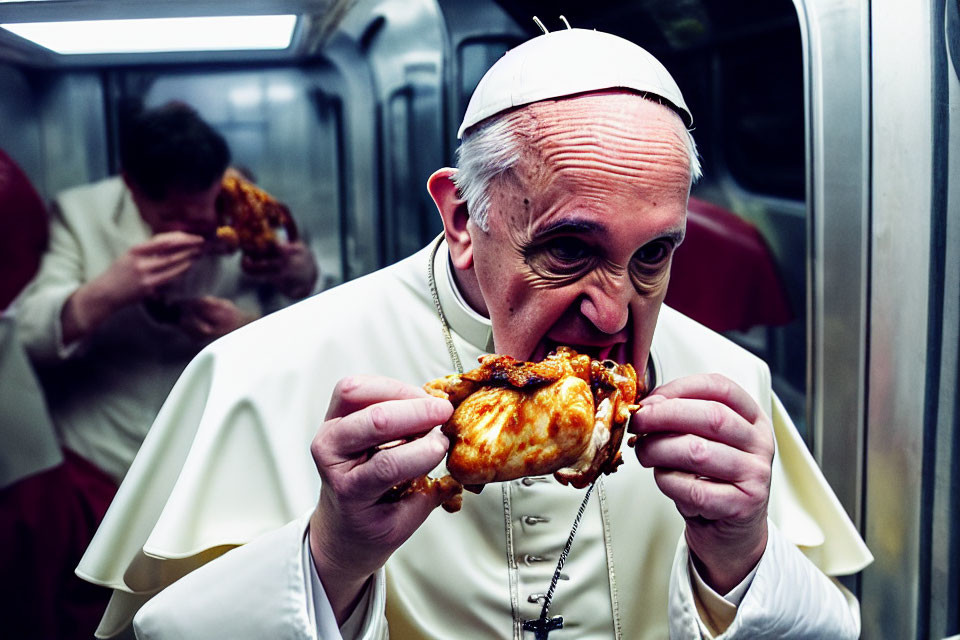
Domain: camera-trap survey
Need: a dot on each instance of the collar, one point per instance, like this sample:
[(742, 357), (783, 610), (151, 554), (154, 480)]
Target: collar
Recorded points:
[(462, 318)]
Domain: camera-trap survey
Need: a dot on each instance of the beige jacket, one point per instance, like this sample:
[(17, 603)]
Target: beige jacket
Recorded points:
[(104, 393)]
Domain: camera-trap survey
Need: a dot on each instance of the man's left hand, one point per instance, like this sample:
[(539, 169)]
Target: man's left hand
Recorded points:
[(711, 449), (293, 271)]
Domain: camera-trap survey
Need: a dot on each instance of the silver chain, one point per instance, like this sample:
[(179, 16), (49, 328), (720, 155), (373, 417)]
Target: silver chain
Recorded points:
[(444, 325), (565, 553)]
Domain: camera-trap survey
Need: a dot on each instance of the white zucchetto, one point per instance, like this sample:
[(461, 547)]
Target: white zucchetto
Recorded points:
[(565, 63)]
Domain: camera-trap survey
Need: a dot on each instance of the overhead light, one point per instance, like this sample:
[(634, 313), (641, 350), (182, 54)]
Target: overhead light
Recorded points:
[(150, 35), (246, 96)]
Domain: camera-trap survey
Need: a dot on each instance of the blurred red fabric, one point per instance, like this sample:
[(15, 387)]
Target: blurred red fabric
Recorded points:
[(724, 275), (23, 218), (46, 522)]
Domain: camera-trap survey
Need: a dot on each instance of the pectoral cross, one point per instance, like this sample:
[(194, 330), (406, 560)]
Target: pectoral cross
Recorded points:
[(542, 627)]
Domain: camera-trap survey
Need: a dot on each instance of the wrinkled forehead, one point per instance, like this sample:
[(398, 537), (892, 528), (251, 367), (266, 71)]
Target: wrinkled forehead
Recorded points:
[(600, 136), (616, 111)]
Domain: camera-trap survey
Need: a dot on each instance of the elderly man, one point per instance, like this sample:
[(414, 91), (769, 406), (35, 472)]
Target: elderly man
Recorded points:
[(559, 226)]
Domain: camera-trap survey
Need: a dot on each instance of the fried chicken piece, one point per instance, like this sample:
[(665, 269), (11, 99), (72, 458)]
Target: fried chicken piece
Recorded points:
[(565, 415), (249, 218), (446, 489)]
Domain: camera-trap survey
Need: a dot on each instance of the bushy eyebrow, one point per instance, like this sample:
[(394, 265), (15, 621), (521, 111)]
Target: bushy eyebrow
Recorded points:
[(675, 236), (570, 226)]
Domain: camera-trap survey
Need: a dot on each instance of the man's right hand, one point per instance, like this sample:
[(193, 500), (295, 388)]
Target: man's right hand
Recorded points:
[(146, 267), (352, 533), (133, 276)]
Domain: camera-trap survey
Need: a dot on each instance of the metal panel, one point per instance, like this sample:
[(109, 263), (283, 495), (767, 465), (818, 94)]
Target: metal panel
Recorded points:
[(837, 41), (407, 221), (903, 159), (19, 126), (52, 124), (359, 232), (944, 535), (477, 34), (74, 129), (405, 53)]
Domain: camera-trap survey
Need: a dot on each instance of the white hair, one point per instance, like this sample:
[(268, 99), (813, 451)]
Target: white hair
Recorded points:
[(492, 148)]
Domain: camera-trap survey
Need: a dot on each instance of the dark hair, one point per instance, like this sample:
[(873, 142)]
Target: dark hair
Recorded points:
[(171, 148)]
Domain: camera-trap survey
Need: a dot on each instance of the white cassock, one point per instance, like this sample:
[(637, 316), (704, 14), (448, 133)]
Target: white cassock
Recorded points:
[(227, 463)]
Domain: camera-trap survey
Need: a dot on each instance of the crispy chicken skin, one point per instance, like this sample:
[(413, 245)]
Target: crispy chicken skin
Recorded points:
[(448, 490), (565, 415), (249, 218), (501, 433)]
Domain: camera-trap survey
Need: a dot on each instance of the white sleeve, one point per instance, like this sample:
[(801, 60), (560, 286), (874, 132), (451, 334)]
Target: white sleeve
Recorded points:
[(38, 308), (252, 592), (260, 590), (732, 597), (367, 622), (789, 597)]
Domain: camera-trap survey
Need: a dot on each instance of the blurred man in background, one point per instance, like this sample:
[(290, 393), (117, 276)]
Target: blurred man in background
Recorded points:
[(132, 286)]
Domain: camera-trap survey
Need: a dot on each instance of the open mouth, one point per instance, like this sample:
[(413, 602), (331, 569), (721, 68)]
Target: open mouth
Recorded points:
[(616, 351)]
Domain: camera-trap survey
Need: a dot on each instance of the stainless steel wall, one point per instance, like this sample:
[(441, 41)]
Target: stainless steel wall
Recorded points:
[(74, 129), (389, 55), (944, 485), (912, 339), (838, 138), (20, 133), (405, 54), (52, 124)]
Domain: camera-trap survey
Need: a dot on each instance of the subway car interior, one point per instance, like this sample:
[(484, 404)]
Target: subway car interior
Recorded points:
[(824, 235)]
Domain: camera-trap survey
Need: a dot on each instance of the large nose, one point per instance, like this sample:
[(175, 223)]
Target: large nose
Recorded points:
[(606, 304)]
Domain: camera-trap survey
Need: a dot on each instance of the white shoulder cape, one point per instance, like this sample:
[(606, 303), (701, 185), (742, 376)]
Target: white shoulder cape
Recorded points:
[(228, 457)]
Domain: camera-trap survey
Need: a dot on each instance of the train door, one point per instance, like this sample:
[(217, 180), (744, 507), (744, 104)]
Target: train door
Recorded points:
[(911, 497)]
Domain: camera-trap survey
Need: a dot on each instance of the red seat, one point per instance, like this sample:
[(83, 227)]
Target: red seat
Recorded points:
[(724, 275), (23, 239)]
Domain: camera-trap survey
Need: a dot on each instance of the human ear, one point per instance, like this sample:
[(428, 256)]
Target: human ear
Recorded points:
[(453, 212)]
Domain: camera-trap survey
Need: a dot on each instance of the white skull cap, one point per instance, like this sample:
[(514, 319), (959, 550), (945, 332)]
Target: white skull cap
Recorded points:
[(567, 62)]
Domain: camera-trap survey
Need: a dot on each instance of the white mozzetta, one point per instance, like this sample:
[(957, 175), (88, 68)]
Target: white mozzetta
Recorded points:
[(228, 461)]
